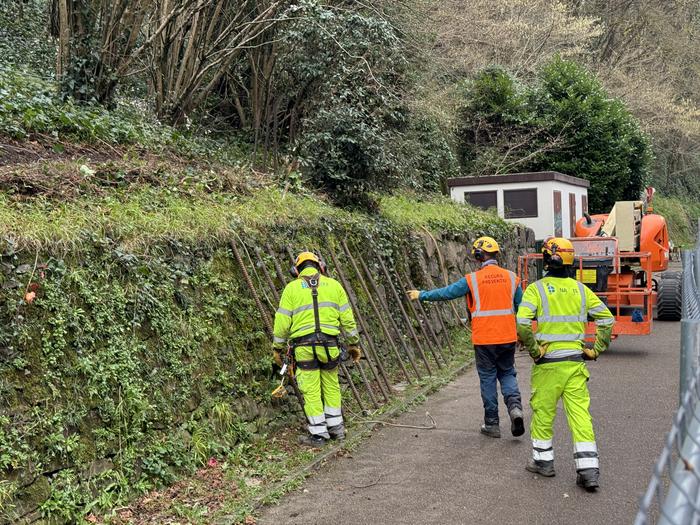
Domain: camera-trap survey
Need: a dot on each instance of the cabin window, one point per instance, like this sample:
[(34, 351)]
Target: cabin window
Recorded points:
[(520, 204), (481, 199)]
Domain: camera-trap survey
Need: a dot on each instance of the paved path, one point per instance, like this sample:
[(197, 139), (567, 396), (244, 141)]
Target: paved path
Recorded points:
[(455, 475)]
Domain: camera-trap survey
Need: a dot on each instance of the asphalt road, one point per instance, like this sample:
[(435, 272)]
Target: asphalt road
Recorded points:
[(455, 475)]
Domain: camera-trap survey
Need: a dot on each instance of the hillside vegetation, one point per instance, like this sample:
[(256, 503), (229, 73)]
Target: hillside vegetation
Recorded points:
[(140, 138), (371, 96)]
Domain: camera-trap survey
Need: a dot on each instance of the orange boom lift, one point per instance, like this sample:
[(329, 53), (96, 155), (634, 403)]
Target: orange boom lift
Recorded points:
[(623, 257)]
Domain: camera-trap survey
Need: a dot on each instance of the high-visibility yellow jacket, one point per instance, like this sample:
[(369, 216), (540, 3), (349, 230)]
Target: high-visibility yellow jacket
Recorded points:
[(295, 315), (562, 306)]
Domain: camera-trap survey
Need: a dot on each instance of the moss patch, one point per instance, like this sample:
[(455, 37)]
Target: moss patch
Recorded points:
[(441, 214)]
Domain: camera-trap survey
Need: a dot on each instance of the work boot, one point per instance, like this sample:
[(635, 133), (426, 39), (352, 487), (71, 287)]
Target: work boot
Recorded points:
[(338, 437), (517, 427), (337, 432), (588, 479), (312, 441), (543, 468), (491, 430)]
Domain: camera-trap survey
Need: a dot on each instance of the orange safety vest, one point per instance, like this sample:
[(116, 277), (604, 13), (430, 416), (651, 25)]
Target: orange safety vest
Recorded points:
[(490, 301)]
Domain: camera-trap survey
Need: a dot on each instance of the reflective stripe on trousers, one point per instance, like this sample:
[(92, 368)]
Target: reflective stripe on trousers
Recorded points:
[(334, 416), (586, 455), (542, 450), (317, 426)]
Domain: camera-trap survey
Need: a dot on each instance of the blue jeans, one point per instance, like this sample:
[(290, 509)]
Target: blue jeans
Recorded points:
[(497, 363)]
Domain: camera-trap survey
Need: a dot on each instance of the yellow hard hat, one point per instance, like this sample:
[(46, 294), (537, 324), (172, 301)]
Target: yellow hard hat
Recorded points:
[(558, 251), (306, 256), (485, 244)]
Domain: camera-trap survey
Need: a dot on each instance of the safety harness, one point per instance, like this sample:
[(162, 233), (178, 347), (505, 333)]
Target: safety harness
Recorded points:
[(318, 338)]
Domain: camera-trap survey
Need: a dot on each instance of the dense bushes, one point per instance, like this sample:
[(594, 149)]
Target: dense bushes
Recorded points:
[(565, 121), (31, 108), (349, 104), (24, 39), (313, 82), (31, 105)]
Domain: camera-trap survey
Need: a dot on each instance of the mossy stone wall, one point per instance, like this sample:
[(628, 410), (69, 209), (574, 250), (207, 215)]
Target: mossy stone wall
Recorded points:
[(127, 370)]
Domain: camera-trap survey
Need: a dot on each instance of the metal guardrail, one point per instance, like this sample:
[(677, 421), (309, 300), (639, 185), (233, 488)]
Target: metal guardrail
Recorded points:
[(673, 494)]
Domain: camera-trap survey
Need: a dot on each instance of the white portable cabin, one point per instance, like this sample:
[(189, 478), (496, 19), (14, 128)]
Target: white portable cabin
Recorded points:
[(548, 202)]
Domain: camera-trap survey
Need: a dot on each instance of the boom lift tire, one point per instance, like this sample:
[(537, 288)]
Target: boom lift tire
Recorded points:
[(669, 299)]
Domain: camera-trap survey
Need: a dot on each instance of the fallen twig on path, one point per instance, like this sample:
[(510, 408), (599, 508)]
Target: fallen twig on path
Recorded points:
[(433, 424), (372, 484)]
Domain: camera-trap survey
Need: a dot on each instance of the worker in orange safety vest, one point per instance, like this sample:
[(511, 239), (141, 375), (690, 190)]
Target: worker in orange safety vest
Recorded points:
[(493, 295)]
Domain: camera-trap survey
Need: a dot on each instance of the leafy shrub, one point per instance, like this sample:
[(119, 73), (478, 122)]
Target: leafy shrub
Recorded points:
[(492, 116), (30, 105), (565, 121), (352, 63), (345, 151), (425, 155), (24, 39)]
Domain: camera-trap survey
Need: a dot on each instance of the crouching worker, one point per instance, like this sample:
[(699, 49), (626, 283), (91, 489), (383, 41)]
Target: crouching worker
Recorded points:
[(313, 310), (562, 306)]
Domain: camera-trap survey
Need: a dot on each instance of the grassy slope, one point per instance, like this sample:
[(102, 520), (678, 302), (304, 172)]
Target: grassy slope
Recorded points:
[(145, 216), (159, 183), (682, 217)]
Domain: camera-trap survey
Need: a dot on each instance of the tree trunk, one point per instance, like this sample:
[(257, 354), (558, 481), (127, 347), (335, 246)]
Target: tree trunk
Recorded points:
[(63, 55)]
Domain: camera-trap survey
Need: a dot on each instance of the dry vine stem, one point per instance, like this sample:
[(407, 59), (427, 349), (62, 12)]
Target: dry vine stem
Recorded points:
[(444, 274), (372, 355), (378, 313), (370, 484), (432, 426)]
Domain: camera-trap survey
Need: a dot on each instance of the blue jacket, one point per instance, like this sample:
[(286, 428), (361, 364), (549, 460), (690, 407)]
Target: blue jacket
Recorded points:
[(460, 289)]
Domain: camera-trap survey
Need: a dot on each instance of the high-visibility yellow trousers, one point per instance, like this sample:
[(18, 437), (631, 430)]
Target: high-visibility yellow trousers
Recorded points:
[(321, 390), (565, 380)]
